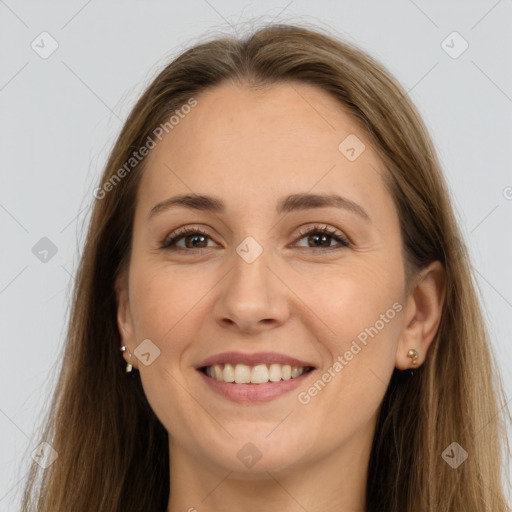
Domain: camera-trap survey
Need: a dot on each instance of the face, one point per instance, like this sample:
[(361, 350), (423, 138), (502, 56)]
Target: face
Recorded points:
[(264, 283)]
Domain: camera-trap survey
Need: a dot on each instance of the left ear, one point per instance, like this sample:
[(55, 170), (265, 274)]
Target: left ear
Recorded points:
[(422, 315)]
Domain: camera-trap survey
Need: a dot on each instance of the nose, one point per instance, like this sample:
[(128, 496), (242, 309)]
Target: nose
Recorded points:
[(253, 297)]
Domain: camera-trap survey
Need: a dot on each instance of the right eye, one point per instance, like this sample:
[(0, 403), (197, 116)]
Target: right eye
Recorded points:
[(187, 233)]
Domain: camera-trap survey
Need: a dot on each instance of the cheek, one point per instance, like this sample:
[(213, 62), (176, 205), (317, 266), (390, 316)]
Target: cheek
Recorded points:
[(164, 306), (363, 311), (169, 304), (159, 304), (350, 300)]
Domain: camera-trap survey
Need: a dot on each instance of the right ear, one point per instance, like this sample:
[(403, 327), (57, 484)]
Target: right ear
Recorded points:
[(124, 318)]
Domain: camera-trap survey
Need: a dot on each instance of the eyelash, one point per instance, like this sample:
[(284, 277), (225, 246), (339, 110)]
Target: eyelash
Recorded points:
[(171, 240)]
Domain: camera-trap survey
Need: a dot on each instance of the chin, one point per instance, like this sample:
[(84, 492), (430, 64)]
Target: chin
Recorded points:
[(254, 459)]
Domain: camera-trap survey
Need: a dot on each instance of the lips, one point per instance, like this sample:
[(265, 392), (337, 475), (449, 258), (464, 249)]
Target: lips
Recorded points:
[(235, 358)]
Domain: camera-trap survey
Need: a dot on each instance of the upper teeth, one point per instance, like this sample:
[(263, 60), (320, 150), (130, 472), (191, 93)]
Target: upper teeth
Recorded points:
[(259, 374)]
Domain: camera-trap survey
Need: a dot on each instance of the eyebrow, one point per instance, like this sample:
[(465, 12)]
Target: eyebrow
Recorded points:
[(287, 204)]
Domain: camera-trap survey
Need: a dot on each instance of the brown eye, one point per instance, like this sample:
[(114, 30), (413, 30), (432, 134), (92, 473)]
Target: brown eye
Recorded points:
[(194, 239), (321, 237)]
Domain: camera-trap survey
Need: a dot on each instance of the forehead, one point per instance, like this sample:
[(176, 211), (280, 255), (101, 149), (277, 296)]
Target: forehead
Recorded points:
[(243, 142)]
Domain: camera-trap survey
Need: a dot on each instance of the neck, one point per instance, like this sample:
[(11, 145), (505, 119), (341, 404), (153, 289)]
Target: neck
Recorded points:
[(336, 482)]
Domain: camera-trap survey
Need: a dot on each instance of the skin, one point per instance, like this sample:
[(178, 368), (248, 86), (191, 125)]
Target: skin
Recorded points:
[(250, 148)]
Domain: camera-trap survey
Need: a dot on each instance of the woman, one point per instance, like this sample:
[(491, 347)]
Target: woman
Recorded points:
[(273, 252)]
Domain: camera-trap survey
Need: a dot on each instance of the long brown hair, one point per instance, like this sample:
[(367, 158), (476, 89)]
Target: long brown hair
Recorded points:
[(113, 451)]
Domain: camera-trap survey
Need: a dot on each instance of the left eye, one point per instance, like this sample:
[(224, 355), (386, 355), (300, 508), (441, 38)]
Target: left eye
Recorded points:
[(195, 237), (319, 234)]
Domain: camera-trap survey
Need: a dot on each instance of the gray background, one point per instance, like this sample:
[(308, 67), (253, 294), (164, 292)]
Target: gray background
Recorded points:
[(60, 116)]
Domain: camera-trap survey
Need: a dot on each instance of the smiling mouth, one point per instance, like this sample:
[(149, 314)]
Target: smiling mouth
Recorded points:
[(257, 374)]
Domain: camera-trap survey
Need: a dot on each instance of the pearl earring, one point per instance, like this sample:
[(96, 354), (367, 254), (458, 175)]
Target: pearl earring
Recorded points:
[(413, 355), (129, 367)]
